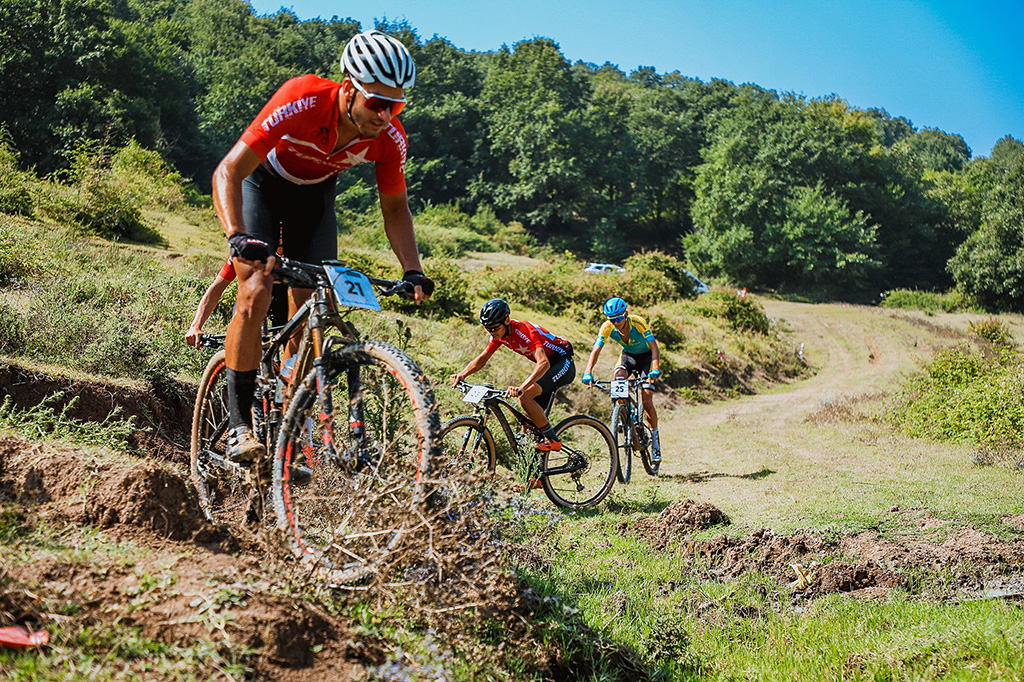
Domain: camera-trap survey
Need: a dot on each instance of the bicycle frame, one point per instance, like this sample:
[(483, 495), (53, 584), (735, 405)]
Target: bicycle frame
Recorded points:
[(492, 405), (633, 427), (316, 313)]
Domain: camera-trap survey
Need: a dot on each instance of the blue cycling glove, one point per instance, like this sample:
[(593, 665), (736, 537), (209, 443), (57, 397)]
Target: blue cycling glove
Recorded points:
[(587, 378), (654, 373)]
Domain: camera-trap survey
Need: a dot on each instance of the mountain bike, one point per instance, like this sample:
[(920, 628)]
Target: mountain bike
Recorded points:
[(579, 475), (629, 426), (359, 415)]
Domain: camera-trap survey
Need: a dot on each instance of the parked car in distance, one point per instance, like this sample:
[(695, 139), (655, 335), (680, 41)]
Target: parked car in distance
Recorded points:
[(604, 269), (698, 286)]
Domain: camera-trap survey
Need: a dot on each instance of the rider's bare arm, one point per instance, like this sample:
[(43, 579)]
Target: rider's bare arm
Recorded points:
[(401, 235), (542, 366), (475, 365), (594, 354), (206, 305), (237, 165)]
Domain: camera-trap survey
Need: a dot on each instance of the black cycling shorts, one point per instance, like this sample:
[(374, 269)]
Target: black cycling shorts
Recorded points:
[(301, 215), (561, 373), (638, 364)]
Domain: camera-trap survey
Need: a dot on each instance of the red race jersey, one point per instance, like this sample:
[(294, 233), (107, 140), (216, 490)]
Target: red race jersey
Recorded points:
[(297, 129), (526, 337)]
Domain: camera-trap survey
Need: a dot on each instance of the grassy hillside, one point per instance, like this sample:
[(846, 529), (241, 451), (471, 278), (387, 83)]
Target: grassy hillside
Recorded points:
[(840, 495)]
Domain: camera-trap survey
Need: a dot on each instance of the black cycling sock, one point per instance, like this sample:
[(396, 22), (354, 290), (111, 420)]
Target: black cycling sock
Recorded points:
[(549, 432), (241, 388)]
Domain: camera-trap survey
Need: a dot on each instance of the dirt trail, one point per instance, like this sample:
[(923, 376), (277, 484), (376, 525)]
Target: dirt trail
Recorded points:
[(765, 463)]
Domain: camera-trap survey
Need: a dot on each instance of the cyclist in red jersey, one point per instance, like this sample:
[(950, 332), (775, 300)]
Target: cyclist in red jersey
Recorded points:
[(282, 172), (552, 354)]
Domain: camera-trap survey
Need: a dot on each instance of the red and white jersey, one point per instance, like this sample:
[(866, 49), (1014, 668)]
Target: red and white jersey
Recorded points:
[(526, 337), (297, 129)]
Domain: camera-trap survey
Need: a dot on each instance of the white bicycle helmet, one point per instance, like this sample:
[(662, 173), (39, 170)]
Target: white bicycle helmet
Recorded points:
[(373, 57)]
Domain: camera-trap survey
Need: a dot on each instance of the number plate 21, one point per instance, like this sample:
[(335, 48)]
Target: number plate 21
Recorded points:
[(352, 288)]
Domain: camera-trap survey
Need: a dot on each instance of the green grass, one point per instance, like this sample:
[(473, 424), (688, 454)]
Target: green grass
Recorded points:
[(688, 625), (81, 652), (45, 421)]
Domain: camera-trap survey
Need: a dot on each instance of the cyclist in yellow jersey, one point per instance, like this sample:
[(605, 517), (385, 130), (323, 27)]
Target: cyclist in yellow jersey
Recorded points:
[(640, 356)]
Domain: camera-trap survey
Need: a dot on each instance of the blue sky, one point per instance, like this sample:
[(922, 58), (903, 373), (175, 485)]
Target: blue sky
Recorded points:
[(953, 65)]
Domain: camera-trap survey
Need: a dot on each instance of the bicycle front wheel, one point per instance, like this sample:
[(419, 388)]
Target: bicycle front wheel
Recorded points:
[(367, 460), (466, 445), (583, 471), (620, 429)]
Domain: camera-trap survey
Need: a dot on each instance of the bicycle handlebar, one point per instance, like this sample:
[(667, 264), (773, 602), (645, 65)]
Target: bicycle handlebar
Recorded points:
[(310, 275), (600, 383), (211, 340), (492, 392)]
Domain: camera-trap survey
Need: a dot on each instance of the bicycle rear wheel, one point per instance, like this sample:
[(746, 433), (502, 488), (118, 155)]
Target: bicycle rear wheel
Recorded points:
[(620, 429), (369, 458), (228, 492), (583, 471)]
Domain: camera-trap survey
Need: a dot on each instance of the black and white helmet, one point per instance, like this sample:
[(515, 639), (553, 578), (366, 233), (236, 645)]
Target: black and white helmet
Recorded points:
[(373, 57)]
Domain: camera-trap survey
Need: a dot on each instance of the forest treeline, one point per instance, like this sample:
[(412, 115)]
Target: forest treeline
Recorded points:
[(769, 190)]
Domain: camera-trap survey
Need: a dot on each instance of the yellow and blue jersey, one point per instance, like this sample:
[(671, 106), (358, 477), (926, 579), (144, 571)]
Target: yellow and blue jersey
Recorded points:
[(637, 341)]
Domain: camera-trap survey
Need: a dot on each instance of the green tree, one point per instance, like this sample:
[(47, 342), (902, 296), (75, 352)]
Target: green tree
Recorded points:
[(445, 123), (989, 265), (533, 102), (938, 150), (774, 206)]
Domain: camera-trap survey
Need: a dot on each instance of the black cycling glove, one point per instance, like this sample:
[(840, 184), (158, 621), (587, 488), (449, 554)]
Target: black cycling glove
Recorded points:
[(248, 248), (417, 278)]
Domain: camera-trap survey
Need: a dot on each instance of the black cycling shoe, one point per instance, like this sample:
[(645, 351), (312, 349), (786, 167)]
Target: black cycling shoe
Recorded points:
[(243, 446)]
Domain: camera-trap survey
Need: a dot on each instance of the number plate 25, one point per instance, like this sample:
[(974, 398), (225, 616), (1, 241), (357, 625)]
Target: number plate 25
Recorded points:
[(352, 288), (620, 388)]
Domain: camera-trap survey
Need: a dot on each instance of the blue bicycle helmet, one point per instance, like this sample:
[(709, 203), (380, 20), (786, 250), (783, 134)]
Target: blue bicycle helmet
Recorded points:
[(614, 307)]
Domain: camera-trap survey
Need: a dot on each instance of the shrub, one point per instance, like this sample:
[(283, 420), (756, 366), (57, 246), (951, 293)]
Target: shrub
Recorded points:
[(929, 302), (19, 254), (10, 329), (669, 266), (15, 185), (103, 204), (994, 331), (743, 314), (451, 295), (147, 176), (559, 285), (963, 397), (666, 334)]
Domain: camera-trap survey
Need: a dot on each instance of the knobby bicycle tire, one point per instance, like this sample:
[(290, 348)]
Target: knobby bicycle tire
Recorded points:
[(467, 444), (645, 439), (361, 506), (583, 472), (228, 493), (620, 427)]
